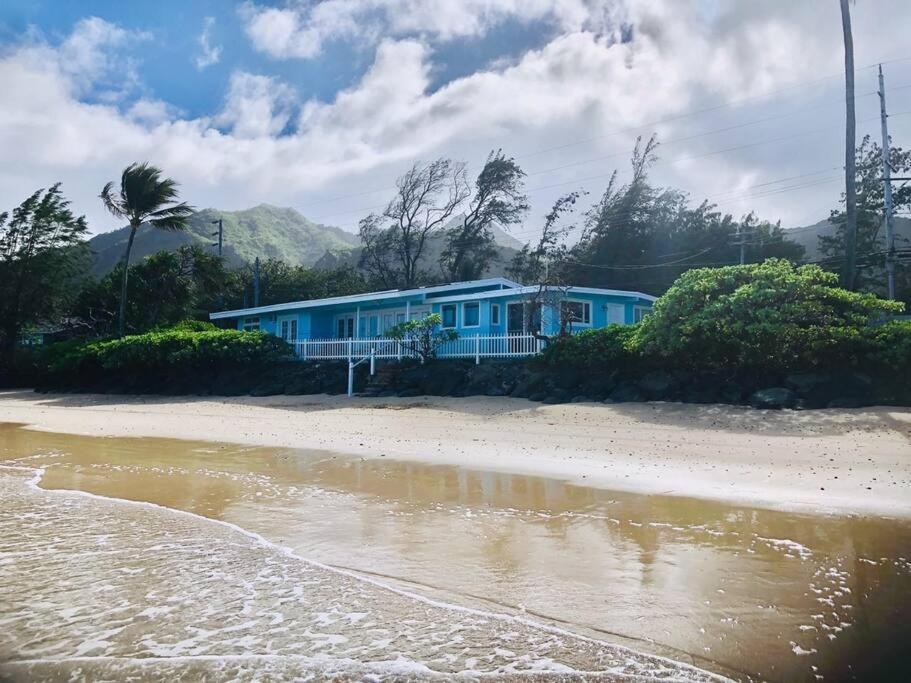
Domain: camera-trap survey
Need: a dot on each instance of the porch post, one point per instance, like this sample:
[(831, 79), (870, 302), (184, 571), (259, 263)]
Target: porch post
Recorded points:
[(477, 349), (357, 323), (407, 311), (349, 351)]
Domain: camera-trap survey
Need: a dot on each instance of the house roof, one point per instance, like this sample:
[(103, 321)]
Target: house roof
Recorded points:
[(531, 289), (369, 296)]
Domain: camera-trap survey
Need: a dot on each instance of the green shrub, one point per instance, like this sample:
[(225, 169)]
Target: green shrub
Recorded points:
[(887, 348), (772, 316), (423, 337), (191, 326), (159, 356), (609, 347)]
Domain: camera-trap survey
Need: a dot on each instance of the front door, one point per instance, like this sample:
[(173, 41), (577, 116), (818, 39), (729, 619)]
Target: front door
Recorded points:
[(288, 329), (344, 327), (515, 318)]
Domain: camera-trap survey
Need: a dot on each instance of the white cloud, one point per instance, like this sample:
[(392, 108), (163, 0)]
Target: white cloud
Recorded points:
[(301, 30), (256, 106), (209, 54), (263, 144)]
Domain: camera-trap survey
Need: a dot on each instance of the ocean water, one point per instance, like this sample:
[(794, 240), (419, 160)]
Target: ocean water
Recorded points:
[(145, 559)]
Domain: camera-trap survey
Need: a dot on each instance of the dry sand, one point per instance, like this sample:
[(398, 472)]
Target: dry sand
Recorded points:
[(829, 461)]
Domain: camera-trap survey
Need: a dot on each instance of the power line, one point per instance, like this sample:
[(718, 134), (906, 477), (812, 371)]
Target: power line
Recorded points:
[(670, 119)]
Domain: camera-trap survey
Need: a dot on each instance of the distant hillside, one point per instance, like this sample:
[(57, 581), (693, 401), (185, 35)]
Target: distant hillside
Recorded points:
[(507, 246), (265, 231), (268, 232), (809, 235)]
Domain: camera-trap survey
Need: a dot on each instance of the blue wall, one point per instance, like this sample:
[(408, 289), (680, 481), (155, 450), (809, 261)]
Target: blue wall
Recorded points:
[(320, 323)]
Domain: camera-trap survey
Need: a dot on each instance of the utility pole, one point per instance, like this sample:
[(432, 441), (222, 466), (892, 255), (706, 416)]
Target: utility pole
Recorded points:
[(220, 233), (887, 188), (742, 242), (848, 274), (256, 282)]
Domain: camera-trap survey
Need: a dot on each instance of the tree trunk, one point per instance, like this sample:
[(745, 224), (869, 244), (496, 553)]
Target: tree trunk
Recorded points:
[(849, 271), (123, 287)]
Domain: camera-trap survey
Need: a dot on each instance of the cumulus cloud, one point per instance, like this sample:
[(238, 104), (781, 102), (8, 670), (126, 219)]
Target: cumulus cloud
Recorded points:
[(301, 30), (256, 106), (209, 54), (262, 143)]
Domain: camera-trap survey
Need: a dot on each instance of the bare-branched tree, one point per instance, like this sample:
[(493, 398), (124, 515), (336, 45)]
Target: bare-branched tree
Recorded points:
[(499, 200), (545, 267), (427, 197)]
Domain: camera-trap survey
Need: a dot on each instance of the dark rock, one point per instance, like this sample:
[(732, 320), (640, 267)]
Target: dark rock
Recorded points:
[(627, 393), (730, 393), (538, 396), (658, 385), (557, 396), (846, 402), (531, 384), (701, 395), (268, 389), (773, 398), (580, 399)]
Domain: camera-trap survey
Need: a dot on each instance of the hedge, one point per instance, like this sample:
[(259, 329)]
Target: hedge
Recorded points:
[(183, 351)]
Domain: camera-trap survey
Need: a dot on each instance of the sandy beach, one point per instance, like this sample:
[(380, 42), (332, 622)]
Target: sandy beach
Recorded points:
[(823, 461)]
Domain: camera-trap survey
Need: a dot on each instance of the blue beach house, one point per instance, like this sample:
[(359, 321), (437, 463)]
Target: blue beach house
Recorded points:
[(492, 317)]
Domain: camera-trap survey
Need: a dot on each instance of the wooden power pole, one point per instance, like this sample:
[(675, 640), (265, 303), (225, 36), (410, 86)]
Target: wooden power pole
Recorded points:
[(887, 188), (848, 274)]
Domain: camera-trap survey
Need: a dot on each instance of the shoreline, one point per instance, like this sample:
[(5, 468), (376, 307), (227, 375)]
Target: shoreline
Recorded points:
[(854, 462)]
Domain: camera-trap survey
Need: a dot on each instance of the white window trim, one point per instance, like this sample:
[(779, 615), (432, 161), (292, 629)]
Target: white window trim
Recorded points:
[(455, 307), (464, 317), (584, 302), (645, 311), (255, 320)]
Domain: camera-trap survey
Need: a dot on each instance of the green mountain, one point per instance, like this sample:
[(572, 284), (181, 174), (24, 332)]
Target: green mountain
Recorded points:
[(809, 235), (265, 231), (506, 247), (268, 232)]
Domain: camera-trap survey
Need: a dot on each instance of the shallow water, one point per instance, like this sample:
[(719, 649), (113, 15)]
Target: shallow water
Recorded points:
[(100, 587)]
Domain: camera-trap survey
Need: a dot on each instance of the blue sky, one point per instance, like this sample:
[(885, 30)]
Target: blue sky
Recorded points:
[(168, 57), (320, 105)]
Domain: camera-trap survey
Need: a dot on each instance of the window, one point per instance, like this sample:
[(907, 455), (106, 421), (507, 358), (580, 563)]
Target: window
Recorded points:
[(289, 329), (388, 322), (344, 327), (577, 312), (251, 324), (494, 314), (448, 312), (471, 314), (639, 312)]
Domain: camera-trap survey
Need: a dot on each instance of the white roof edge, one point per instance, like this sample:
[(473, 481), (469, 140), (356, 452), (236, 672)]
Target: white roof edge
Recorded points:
[(369, 296), (532, 288)]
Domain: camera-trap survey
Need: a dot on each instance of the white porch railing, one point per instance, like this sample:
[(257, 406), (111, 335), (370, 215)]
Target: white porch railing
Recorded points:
[(477, 347)]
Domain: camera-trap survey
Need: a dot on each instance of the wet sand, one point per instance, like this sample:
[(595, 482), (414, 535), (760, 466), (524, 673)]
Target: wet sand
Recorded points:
[(160, 559), (821, 461)]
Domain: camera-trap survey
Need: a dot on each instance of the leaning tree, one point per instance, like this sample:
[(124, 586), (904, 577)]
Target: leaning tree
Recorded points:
[(144, 197)]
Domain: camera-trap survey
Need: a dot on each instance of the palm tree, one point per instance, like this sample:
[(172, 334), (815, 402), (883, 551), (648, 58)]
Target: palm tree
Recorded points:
[(849, 274), (144, 197)]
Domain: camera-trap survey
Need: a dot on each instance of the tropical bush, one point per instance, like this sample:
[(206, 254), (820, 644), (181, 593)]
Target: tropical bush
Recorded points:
[(187, 350), (423, 337), (612, 347), (771, 316)]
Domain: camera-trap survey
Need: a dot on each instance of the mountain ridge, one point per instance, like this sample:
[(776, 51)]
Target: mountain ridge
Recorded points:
[(264, 231)]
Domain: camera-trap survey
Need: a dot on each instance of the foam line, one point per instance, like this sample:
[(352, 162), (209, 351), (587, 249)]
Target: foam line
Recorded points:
[(35, 482)]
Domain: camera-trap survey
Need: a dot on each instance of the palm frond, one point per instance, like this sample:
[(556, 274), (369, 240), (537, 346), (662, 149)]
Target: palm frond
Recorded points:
[(173, 218), (144, 197), (111, 202)]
